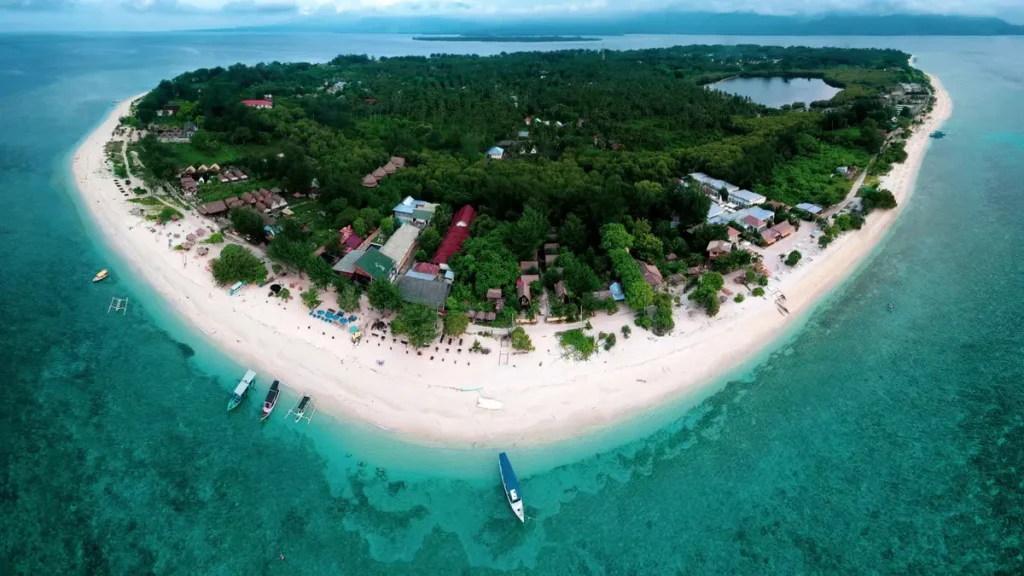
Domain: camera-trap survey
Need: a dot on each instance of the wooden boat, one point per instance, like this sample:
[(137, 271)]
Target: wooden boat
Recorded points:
[(101, 275), (241, 389), (511, 486), (303, 409), (272, 395)]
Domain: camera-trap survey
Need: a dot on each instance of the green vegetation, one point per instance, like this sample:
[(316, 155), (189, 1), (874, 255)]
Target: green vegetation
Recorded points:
[(520, 339), (706, 292), (739, 298), (490, 38), (147, 201), (348, 294), (608, 339), (167, 214), (874, 198), (218, 238), (455, 323), (247, 222), (384, 295), (310, 298), (626, 330), (418, 323), (793, 258), (576, 344), (613, 131), (139, 190), (284, 294), (757, 291), (237, 264)]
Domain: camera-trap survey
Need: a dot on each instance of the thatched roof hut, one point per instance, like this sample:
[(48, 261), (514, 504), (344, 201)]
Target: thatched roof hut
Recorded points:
[(390, 168), (379, 173), (369, 181)]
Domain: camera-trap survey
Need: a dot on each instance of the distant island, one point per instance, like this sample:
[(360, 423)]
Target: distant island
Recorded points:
[(525, 245), (513, 38)]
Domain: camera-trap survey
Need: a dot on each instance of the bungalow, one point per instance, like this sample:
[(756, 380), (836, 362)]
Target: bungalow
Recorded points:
[(718, 248), (224, 178), (618, 294), (651, 274), (380, 174), (560, 291), (398, 161), (259, 104), (746, 198), (753, 217), (412, 211), (349, 239), (526, 265), (213, 208), (778, 232), (337, 87), (495, 296), (551, 247), (188, 185), (715, 212), (369, 181), (733, 234), (523, 291), (812, 209), (550, 259), (214, 167), (676, 279), (389, 168), (753, 223), (495, 153)]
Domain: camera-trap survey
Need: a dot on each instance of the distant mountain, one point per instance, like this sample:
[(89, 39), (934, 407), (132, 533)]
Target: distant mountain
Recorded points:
[(672, 22)]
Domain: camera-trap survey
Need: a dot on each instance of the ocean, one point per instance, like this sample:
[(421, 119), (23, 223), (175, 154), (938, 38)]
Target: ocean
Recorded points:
[(866, 441)]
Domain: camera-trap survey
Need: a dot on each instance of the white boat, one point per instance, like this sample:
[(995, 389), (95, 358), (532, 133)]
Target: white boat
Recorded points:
[(511, 485), (241, 389)]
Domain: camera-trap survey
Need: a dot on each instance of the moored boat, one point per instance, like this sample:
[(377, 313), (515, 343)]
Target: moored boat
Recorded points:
[(271, 400), (300, 410), (938, 134), (511, 485), (241, 389), (101, 275)]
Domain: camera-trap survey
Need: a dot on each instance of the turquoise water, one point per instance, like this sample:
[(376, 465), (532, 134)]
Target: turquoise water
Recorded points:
[(775, 92), (867, 442)]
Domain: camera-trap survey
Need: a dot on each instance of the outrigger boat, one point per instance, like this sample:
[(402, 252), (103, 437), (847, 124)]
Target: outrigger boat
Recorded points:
[(241, 389), (271, 400), (511, 485), (303, 409), (101, 275)]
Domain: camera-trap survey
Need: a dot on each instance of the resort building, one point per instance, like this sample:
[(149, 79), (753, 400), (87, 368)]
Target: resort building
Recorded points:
[(261, 104), (812, 209), (778, 232), (746, 198), (651, 274), (713, 186), (495, 153), (457, 234), (347, 265), (373, 265), (399, 247), (718, 248), (425, 284), (412, 211)]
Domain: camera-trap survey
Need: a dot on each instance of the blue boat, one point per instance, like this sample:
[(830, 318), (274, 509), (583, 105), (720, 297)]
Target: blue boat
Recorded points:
[(241, 389), (511, 485)]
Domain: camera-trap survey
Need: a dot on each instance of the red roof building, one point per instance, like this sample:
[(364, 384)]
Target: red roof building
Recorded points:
[(427, 268), (258, 103), (457, 234)]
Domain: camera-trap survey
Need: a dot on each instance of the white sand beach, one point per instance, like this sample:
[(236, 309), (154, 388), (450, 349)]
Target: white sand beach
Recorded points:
[(546, 398)]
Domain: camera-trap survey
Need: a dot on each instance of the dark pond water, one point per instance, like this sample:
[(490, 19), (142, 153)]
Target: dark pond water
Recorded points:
[(775, 92)]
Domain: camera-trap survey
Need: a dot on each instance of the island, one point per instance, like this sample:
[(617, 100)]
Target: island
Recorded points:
[(495, 38), (514, 248)]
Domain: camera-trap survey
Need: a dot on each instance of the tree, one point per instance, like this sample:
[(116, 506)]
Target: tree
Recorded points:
[(527, 234), (455, 323), (294, 254), (384, 295), (573, 234), (348, 294), (579, 278), (429, 241), (387, 226), (247, 222), (418, 323), (320, 272), (615, 237), (237, 264), (793, 258), (520, 339), (311, 298)]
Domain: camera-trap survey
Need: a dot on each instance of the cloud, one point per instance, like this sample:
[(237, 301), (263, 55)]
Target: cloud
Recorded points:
[(36, 5), (251, 7)]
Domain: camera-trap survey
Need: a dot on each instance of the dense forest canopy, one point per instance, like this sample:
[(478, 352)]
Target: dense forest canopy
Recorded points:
[(590, 135)]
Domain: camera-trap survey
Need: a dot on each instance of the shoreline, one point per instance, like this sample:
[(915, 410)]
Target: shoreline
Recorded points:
[(546, 399)]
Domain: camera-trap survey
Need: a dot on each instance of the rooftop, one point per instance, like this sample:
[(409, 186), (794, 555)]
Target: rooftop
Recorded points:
[(400, 242), (376, 264), (747, 196), (431, 293)]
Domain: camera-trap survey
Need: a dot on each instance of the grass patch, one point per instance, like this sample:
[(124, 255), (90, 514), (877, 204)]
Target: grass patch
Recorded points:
[(215, 238), (147, 201), (187, 155), (813, 178), (576, 344)]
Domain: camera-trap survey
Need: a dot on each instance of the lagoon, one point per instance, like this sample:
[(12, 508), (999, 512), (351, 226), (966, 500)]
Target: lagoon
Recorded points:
[(775, 92)]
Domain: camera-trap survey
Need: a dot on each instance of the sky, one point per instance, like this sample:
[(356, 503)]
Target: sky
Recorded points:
[(105, 15)]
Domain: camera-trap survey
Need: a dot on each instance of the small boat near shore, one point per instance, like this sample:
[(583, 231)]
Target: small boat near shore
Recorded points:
[(511, 485), (938, 134), (303, 409), (271, 400), (241, 389), (101, 275)]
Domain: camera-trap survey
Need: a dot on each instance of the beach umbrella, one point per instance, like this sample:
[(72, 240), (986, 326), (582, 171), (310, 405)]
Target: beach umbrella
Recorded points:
[(191, 237)]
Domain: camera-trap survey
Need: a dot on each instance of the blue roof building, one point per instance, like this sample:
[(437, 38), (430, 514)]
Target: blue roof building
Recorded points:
[(809, 208)]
